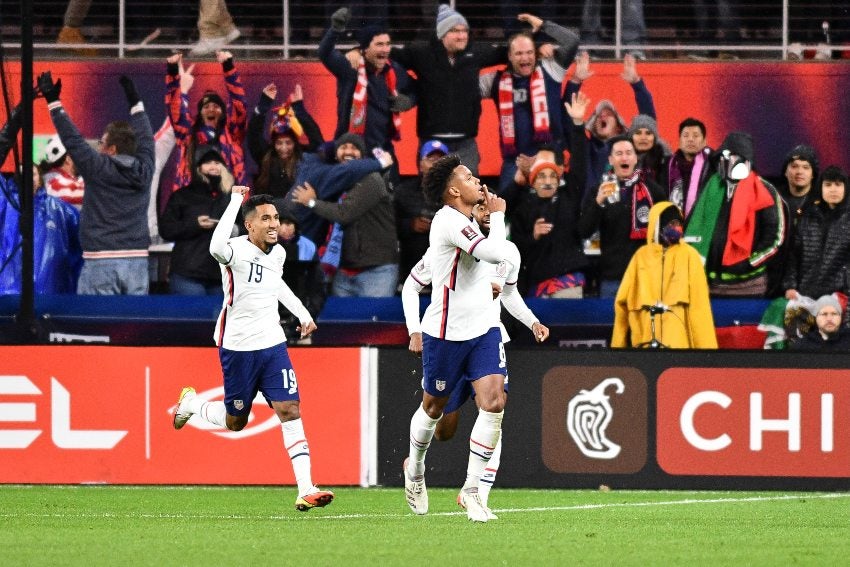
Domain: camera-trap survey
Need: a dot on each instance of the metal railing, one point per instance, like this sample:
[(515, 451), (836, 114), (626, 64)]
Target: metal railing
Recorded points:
[(775, 29)]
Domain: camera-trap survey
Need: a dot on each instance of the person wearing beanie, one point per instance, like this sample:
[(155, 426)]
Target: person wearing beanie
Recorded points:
[(820, 251), (372, 95), (800, 169), (527, 95), (606, 122), (447, 93), (291, 133), (190, 216), (216, 122), (687, 170), (544, 218), (663, 298), (361, 250), (61, 179), (652, 151), (830, 334), (738, 223)]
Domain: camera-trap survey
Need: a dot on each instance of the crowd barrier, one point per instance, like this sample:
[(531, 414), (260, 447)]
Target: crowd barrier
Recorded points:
[(172, 320), (574, 419)]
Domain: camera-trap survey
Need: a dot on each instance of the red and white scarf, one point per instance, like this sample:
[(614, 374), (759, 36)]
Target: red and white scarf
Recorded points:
[(357, 119), (641, 203), (539, 110)]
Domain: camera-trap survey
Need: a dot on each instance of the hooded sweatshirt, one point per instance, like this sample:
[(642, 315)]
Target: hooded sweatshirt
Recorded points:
[(673, 277)]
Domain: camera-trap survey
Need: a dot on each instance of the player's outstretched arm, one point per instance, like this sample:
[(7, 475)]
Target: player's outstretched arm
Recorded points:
[(219, 248)]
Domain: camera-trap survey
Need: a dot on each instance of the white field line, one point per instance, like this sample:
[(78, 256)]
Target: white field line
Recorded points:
[(321, 516)]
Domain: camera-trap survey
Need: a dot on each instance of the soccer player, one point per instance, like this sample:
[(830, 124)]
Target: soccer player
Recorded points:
[(503, 281), (458, 336), (252, 345)]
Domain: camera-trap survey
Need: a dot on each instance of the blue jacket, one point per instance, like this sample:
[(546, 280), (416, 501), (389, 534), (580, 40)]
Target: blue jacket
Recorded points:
[(57, 251)]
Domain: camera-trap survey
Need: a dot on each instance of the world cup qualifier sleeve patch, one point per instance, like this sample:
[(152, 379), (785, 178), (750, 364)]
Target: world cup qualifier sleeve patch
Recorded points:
[(469, 233)]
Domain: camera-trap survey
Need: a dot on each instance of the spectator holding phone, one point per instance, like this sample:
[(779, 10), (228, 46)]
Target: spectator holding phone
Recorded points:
[(190, 216)]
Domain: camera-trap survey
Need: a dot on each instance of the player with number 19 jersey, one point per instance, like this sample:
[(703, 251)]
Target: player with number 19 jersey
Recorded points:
[(253, 284)]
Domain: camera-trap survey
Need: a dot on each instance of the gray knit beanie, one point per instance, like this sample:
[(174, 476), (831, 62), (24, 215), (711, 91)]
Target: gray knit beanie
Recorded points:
[(827, 300), (447, 19)]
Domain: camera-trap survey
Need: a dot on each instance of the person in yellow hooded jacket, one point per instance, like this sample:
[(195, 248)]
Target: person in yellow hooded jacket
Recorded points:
[(665, 281)]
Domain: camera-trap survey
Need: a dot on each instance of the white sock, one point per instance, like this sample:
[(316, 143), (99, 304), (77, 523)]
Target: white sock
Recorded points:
[(214, 412), (482, 442), (421, 432), (296, 445), (489, 476)]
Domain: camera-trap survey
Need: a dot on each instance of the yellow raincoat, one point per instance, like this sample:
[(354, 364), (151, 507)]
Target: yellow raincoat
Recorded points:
[(673, 277)]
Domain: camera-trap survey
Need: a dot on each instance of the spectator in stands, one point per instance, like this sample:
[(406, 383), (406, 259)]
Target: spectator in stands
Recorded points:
[(527, 96), (60, 174), (652, 151), (302, 274), (413, 213), (620, 212), (800, 170), (113, 225), (688, 169), (545, 225), (664, 293), (605, 122), (279, 157), (215, 28), (190, 217), (447, 93), (737, 223), (362, 245), (370, 98), (633, 26), (830, 335), (211, 126), (57, 255), (820, 253)]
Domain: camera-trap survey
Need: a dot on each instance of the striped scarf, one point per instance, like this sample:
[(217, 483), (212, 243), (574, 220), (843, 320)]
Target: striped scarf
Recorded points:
[(357, 119), (539, 110)]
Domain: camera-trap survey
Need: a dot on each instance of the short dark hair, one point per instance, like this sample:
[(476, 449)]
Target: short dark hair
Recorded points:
[(688, 122), (834, 173), (617, 140), (438, 177), (255, 201), (121, 135)]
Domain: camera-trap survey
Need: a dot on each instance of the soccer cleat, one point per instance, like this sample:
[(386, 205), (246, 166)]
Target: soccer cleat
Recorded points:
[(316, 499), (415, 492), (475, 510), (182, 416), (490, 514)]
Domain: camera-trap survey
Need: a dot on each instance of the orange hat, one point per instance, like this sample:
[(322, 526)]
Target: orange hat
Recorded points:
[(539, 165)]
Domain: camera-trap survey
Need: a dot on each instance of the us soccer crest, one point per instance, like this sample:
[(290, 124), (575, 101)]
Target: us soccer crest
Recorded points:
[(238, 404), (441, 385)]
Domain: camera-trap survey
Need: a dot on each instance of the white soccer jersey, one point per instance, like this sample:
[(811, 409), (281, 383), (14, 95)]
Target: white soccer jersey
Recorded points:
[(504, 273), (461, 300), (253, 285)]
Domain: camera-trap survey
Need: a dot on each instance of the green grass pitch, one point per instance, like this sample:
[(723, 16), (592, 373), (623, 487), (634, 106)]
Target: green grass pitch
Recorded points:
[(111, 525)]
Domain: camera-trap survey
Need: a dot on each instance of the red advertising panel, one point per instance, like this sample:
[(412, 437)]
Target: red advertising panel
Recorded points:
[(96, 414), (754, 422)]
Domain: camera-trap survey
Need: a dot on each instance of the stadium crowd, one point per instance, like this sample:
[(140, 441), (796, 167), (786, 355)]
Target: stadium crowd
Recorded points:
[(579, 179)]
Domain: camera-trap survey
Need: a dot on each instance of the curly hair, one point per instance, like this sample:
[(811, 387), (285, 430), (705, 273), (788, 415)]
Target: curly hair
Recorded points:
[(438, 178)]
